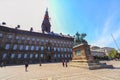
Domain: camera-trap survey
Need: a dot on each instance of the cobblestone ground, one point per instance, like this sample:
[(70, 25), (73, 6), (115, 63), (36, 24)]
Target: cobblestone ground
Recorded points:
[(55, 71)]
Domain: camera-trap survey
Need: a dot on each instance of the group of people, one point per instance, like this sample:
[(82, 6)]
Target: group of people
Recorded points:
[(64, 63)]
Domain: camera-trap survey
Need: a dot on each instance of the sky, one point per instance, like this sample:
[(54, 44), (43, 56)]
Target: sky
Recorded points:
[(97, 18)]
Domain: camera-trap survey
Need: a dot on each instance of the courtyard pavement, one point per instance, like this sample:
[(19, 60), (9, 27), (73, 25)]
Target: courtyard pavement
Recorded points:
[(55, 71)]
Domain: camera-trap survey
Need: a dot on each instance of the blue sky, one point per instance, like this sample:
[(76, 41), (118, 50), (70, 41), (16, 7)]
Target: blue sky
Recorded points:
[(97, 18)]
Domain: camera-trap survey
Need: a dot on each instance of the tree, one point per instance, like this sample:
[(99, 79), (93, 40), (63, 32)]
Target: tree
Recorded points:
[(112, 54)]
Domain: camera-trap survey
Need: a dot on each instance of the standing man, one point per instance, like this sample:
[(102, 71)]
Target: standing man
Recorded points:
[(66, 63), (26, 65), (63, 62)]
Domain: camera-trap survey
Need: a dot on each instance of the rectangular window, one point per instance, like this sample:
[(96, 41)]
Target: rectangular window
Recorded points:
[(1, 35), (12, 56), (7, 46), (58, 55), (41, 55), (25, 55), (37, 48), (42, 48), (38, 40), (32, 47), (58, 49), (27, 47), (23, 38), (33, 39), (10, 36), (15, 47), (17, 37), (65, 55), (64, 49), (48, 48), (4, 56), (55, 55), (19, 56), (21, 47), (62, 55), (54, 49), (31, 55), (36, 55), (28, 38), (69, 55)]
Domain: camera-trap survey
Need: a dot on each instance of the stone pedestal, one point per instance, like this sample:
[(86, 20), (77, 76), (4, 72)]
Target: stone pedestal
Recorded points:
[(82, 58)]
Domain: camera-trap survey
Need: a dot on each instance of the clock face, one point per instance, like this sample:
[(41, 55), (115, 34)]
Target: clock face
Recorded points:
[(78, 52)]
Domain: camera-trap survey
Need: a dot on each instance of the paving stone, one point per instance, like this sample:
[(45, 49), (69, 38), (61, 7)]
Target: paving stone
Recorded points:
[(55, 71)]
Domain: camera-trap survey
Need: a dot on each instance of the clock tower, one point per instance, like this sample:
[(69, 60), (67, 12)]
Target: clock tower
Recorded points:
[(46, 26)]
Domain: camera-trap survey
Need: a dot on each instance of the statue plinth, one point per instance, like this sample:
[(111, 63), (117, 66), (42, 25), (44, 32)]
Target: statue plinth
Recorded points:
[(82, 52), (82, 58)]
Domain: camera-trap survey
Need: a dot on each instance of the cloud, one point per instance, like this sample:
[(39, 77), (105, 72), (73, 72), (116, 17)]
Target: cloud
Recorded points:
[(104, 38)]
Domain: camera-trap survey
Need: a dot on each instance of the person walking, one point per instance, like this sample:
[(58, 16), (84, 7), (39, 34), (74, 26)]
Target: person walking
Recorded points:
[(26, 65), (63, 63), (66, 63)]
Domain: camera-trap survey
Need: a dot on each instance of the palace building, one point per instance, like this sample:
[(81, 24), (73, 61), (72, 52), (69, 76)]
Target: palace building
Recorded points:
[(17, 46)]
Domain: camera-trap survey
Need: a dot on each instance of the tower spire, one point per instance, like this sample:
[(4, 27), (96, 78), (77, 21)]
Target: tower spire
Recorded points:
[(46, 23)]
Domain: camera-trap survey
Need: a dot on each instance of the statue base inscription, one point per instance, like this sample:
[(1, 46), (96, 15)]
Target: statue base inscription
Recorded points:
[(83, 58)]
